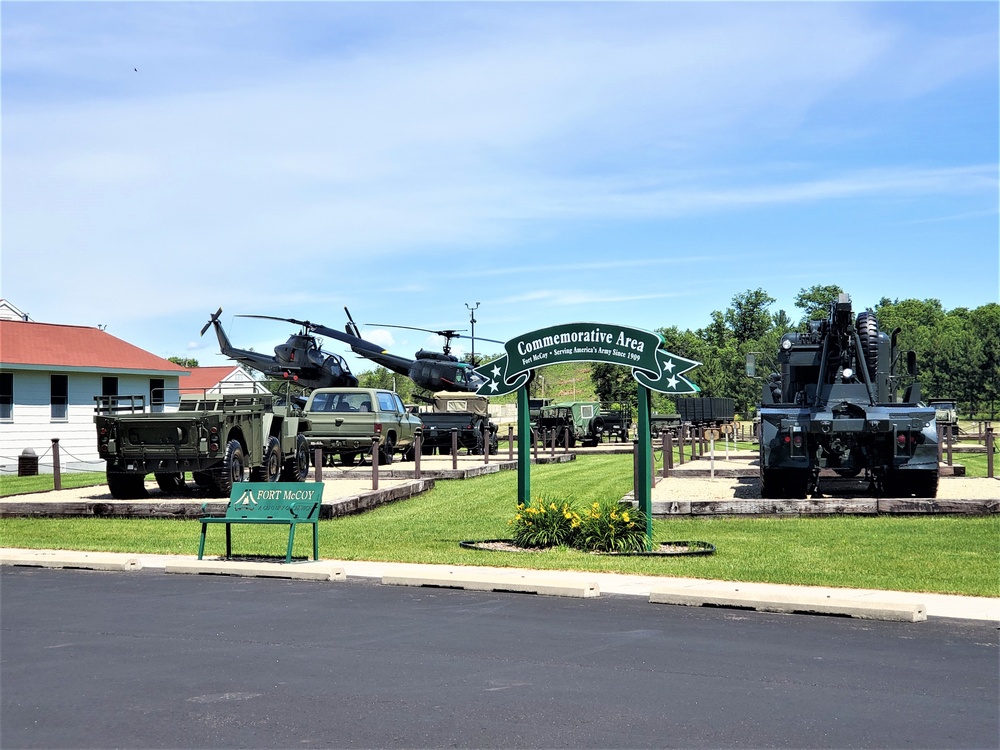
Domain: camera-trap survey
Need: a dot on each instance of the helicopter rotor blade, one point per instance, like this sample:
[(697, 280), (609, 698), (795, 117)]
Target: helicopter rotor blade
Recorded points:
[(303, 323), (450, 333), (211, 320)]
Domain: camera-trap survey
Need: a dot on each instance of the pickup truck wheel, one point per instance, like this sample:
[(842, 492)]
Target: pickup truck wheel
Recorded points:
[(126, 486), (385, 451), (171, 483), (270, 470), (233, 469), (296, 468)]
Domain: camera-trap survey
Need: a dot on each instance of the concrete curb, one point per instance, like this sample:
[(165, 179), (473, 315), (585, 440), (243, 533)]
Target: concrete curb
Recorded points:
[(307, 571), (86, 560), (454, 579), (803, 603)]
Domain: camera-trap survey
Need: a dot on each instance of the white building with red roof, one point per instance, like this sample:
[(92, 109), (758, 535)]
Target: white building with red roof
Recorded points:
[(223, 379), (49, 377)]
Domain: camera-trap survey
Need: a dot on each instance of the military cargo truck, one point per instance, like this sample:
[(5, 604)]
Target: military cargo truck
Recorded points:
[(946, 410), (834, 405), (217, 437), (585, 422), (465, 412)]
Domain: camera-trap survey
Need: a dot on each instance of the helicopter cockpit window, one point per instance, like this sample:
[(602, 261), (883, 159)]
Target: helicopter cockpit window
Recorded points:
[(462, 376)]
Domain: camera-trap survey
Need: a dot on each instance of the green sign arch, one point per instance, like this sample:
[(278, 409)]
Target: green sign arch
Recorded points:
[(653, 367), (642, 351)]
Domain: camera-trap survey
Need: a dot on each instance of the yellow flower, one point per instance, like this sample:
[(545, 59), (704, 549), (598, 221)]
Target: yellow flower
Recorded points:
[(552, 505), (596, 505), (625, 516)]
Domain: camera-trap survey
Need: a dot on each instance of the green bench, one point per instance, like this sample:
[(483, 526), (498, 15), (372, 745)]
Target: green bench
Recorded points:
[(289, 503)]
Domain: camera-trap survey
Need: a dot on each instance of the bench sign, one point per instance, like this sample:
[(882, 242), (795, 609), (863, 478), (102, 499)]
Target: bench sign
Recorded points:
[(256, 496)]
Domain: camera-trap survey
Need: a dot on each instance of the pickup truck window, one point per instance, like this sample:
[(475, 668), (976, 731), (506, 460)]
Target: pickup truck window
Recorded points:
[(399, 404), (341, 402), (385, 401)]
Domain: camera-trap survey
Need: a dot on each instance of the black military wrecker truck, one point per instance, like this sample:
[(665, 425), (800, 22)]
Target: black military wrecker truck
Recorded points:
[(834, 405), (217, 437)]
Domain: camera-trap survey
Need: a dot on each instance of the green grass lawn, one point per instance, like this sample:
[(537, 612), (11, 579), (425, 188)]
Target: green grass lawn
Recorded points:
[(945, 554)]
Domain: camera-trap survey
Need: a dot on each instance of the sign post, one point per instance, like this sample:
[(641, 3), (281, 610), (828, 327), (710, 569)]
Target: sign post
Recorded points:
[(653, 367)]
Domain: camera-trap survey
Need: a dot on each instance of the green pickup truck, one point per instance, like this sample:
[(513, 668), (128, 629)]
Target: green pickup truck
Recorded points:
[(345, 421)]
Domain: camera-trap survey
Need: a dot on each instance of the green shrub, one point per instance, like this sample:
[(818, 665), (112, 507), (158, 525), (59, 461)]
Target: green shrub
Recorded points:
[(543, 523), (609, 526)]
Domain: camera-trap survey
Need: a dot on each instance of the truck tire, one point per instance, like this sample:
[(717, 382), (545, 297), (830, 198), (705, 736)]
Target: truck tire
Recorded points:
[(597, 426), (125, 486), (296, 468), (270, 470), (233, 469), (867, 325), (171, 483), (385, 451)]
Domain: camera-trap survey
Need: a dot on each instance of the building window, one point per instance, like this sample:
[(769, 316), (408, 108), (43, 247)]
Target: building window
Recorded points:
[(156, 394), (59, 399), (6, 396), (109, 386)]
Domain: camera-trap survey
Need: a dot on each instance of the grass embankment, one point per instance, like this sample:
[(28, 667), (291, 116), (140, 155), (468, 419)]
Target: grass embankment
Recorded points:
[(944, 554)]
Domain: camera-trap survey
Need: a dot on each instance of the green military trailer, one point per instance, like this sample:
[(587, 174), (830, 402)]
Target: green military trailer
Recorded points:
[(217, 437)]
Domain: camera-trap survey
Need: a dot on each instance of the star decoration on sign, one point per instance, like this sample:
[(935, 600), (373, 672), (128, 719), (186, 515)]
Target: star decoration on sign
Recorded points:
[(495, 371), (669, 366)]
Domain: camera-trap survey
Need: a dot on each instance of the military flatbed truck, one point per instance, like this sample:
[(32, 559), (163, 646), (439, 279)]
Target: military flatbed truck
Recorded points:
[(216, 437)]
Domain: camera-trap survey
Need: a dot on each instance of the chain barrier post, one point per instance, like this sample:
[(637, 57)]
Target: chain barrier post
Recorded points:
[(418, 450), (56, 468)]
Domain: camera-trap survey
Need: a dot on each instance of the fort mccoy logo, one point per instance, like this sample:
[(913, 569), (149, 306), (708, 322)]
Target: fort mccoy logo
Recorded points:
[(246, 499), (642, 351)]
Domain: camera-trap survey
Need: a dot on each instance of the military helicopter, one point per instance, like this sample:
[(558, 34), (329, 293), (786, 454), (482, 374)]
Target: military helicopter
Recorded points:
[(299, 359), (434, 371)]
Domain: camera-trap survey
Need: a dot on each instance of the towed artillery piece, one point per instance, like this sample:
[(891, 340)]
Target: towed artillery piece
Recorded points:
[(834, 405)]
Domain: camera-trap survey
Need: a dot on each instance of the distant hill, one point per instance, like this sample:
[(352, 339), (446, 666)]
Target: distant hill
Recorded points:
[(565, 382), (569, 381)]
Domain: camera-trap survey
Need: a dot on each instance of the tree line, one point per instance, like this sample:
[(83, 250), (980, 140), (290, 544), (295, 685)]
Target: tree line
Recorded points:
[(958, 351)]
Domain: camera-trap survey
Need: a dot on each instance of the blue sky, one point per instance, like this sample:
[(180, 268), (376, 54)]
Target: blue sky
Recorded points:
[(632, 163)]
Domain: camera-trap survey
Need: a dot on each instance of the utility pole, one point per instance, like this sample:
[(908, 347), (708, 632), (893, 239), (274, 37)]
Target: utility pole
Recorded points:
[(472, 321)]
